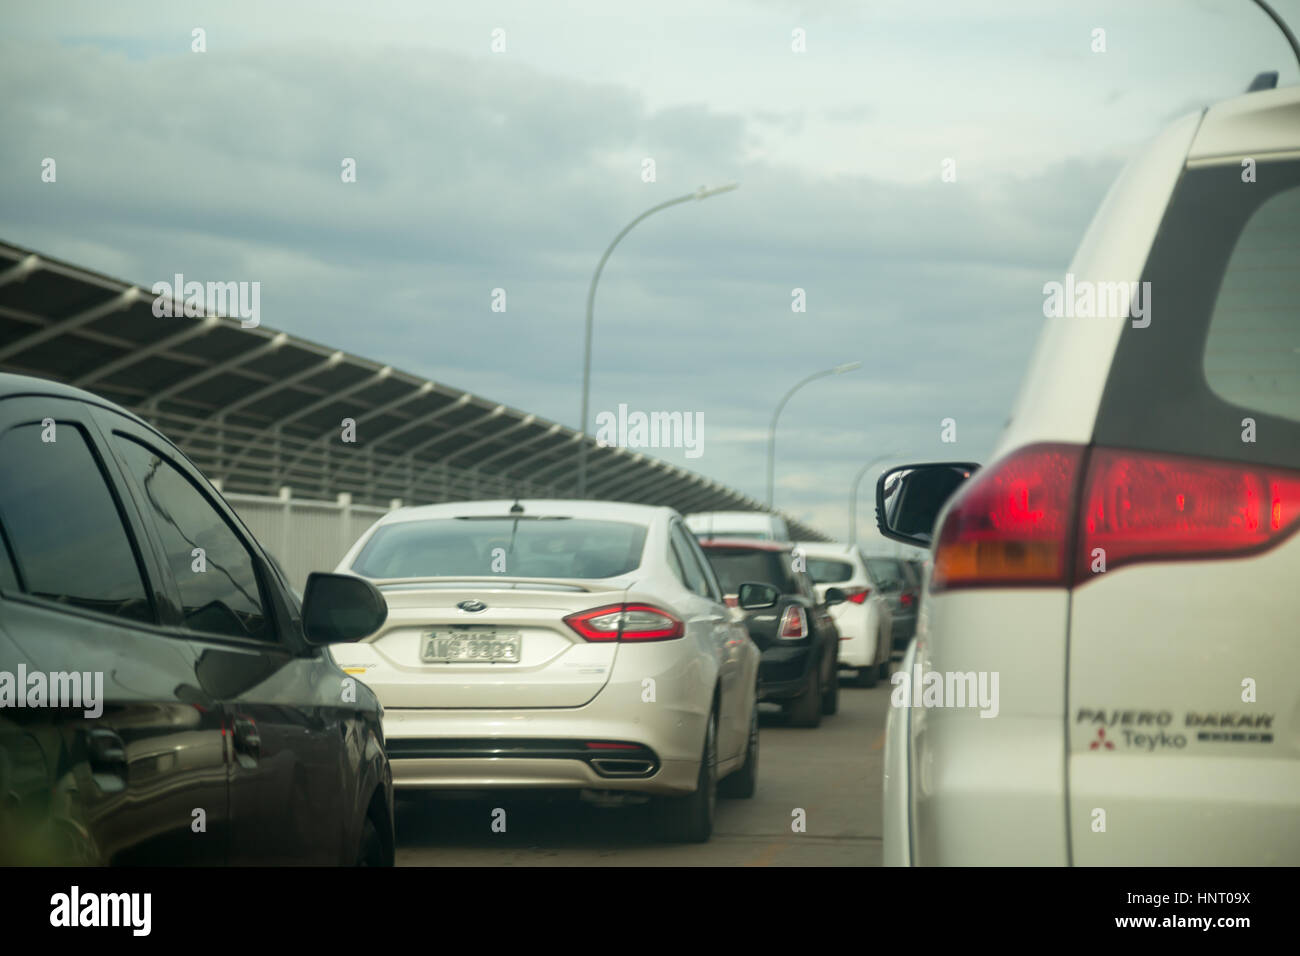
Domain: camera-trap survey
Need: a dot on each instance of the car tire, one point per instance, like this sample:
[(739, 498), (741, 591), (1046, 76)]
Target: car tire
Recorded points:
[(371, 852), (689, 819), (742, 784), (831, 696), (886, 668), (806, 709)]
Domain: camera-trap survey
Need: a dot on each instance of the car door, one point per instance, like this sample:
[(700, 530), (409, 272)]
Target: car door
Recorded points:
[(140, 777), (286, 707), (1183, 702), (709, 609)]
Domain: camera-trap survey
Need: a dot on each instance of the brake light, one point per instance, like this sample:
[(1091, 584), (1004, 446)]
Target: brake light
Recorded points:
[(732, 600), (1141, 507), (856, 595), (906, 599), (1010, 525), (794, 624), (626, 622), (1014, 523)]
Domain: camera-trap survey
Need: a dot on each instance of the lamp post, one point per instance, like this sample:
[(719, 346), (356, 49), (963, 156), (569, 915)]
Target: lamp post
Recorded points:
[(853, 493), (771, 432), (700, 194)]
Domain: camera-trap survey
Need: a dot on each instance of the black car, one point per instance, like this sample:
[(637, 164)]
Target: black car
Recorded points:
[(797, 636), (894, 582), (163, 697)]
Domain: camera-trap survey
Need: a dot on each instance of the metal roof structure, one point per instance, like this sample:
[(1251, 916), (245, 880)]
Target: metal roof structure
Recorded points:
[(260, 410)]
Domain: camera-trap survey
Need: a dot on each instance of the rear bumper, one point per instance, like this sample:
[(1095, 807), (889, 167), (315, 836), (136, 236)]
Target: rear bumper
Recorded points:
[(784, 672), (530, 773)]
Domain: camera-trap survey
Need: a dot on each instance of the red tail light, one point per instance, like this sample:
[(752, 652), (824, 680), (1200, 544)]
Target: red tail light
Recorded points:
[(626, 622), (1014, 524), (1010, 525), (732, 600), (906, 598), (857, 595), (1139, 507), (794, 625)]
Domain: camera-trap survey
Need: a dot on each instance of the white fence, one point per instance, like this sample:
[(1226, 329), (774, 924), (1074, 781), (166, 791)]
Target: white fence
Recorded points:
[(305, 535)]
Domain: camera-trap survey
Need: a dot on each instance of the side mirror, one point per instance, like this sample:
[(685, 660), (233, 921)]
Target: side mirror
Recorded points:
[(834, 596), (341, 608), (910, 497), (757, 597)]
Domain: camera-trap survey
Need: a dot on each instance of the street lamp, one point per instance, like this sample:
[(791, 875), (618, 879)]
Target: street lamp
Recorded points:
[(771, 433), (704, 192), (853, 494)]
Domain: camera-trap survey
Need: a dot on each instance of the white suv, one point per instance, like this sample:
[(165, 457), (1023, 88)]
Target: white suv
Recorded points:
[(1118, 587), (863, 618)]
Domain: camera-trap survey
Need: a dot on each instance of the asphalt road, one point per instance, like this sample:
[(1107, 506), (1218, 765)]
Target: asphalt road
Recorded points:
[(832, 773)]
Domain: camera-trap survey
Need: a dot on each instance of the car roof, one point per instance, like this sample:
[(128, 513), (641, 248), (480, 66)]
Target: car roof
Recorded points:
[(533, 508), (827, 549), (13, 386), (745, 544)]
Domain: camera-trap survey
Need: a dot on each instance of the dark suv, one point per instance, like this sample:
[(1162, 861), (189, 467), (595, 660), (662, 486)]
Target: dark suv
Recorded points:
[(164, 699), (895, 583), (797, 636)]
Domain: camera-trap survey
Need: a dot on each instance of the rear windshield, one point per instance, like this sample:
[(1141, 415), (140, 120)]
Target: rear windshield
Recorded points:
[(514, 547), (742, 535), (824, 571), (886, 572), (737, 567)]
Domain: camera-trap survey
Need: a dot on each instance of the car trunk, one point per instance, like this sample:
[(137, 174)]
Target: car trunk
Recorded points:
[(555, 667)]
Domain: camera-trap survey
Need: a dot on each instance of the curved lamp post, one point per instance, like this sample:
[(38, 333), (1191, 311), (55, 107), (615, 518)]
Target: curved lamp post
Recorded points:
[(771, 432), (702, 193)]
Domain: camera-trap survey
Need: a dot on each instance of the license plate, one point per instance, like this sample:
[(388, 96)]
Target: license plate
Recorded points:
[(471, 647)]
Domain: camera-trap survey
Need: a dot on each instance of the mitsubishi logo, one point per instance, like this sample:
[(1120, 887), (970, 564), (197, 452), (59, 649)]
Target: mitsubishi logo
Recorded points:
[(472, 607)]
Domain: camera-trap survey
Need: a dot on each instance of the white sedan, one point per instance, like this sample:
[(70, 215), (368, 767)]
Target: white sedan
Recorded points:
[(560, 645)]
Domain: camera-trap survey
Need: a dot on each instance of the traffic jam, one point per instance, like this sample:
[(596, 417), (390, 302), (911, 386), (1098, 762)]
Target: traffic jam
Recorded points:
[(254, 612)]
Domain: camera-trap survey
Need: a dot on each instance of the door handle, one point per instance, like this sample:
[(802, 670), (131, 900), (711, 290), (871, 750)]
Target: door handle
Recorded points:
[(106, 756), (247, 740)]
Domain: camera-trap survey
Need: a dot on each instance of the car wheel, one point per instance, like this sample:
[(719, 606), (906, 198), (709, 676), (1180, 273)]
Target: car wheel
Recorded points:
[(831, 696), (806, 709), (689, 819), (372, 848), (886, 668), (744, 781)]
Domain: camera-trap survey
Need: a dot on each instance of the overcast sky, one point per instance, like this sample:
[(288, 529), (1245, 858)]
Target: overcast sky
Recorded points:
[(479, 170)]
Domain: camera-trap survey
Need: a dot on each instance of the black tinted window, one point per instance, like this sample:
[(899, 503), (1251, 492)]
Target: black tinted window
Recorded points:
[(68, 541), (218, 587), (886, 572), (824, 571), (735, 567)]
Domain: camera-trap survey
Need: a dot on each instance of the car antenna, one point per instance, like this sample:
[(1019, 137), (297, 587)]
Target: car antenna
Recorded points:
[(1286, 31)]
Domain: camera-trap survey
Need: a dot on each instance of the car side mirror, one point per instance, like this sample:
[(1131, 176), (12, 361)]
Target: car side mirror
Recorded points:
[(910, 497), (834, 596), (341, 608), (757, 597)]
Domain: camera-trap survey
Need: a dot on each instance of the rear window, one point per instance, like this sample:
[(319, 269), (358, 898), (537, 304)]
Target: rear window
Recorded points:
[(1221, 346), (740, 535), (735, 567), (1252, 354), (824, 571), (886, 572), (512, 547)]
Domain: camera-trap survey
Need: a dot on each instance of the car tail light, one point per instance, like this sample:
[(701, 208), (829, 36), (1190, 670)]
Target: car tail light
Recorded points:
[(1142, 507), (1010, 525), (732, 600), (906, 598), (626, 622), (794, 624), (1014, 523), (856, 595)]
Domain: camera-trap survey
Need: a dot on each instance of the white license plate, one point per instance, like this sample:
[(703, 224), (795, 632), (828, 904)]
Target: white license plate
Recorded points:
[(471, 647)]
